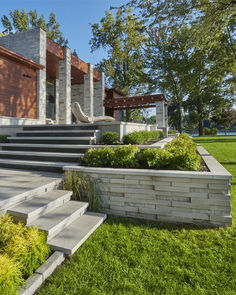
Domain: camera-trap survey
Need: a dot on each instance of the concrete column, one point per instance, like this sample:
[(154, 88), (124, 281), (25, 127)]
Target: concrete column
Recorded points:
[(65, 88), (88, 92), (57, 100), (160, 114), (99, 91)]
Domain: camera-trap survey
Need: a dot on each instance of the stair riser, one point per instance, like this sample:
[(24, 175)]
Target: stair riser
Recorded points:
[(41, 158), (66, 222), (78, 150), (31, 167), (60, 127), (62, 134), (49, 141), (4, 205), (28, 218)]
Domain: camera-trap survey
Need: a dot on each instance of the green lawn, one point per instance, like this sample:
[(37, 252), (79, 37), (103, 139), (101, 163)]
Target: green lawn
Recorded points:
[(128, 256)]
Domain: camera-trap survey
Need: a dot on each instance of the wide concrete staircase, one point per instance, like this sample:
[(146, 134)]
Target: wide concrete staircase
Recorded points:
[(67, 223), (47, 147)]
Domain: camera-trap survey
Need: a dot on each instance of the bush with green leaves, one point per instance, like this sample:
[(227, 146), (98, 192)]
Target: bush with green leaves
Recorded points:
[(172, 131), (100, 157), (179, 154), (140, 137), (26, 246), (208, 131), (110, 137), (84, 188), (125, 157), (10, 275), (3, 138)]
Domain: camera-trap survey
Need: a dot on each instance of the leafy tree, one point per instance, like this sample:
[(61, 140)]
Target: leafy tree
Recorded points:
[(226, 118), (122, 37), (21, 21)]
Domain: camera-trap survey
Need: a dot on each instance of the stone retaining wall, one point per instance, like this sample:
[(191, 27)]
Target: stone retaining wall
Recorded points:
[(170, 196)]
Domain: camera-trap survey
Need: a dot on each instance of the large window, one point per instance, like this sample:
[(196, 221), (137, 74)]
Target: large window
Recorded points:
[(51, 99)]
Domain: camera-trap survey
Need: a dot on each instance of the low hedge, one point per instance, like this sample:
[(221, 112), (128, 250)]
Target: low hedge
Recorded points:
[(110, 137), (139, 137), (180, 154), (26, 249)]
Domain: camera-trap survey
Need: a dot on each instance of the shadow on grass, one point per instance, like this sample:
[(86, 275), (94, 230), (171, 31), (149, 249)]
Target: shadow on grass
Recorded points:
[(215, 140), (228, 163), (130, 221)]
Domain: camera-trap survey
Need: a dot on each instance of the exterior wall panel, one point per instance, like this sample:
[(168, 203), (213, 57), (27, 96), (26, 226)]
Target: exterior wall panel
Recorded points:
[(18, 90)]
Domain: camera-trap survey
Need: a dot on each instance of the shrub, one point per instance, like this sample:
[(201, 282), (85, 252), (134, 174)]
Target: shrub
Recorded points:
[(214, 131), (179, 154), (84, 188), (208, 131), (100, 157), (125, 156), (3, 138), (10, 276), (25, 245), (154, 158), (110, 137), (139, 137), (172, 131)]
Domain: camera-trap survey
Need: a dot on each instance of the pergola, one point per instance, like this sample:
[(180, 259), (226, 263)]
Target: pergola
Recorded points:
[(139, 102)]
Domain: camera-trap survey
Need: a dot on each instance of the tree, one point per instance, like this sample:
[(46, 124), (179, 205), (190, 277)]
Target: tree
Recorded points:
[(209, 58), (122, 37), (226, 118), (21, 21)]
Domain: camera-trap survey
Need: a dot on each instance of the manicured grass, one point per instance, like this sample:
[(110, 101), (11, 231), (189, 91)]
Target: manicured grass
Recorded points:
[(223, 148), (128, 256)]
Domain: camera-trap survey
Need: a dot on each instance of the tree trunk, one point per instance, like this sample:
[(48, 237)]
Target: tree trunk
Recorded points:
[(201, 127), (127, 117), (225, 130), (179, 118)]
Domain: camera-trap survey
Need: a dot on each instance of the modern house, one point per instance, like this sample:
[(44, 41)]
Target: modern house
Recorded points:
[(39, 80)]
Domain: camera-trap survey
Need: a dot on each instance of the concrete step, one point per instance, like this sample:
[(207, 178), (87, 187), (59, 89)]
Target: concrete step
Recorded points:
[(41, 156), (9, 198), (60, 148), (57, 139), (58, 219), (73, 236), (30, 210), (60, 133), (34, 165), (62, 127)]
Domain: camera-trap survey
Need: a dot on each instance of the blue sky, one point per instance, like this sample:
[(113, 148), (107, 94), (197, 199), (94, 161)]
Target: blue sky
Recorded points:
[(74, 17)]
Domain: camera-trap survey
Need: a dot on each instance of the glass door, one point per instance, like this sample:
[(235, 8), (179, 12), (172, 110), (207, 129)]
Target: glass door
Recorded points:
[(50, 99)]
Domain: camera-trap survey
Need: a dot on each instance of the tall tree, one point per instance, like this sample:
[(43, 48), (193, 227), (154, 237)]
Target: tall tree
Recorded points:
[(122, 37), (21, 21)]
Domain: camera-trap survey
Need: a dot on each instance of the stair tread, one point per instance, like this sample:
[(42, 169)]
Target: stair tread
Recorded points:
[(29, 206), (60, 131), (33, 163), (49, 145), (72, 237), (59, 214), (51, 137), (51, 154)]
